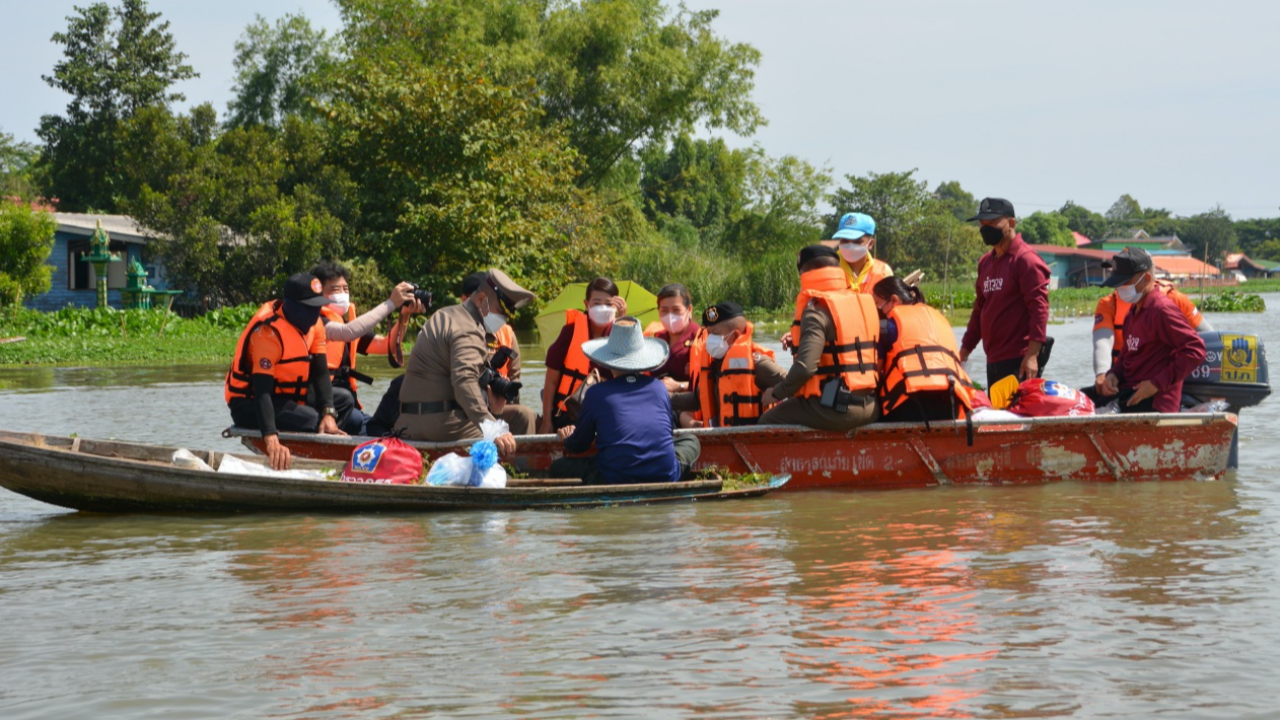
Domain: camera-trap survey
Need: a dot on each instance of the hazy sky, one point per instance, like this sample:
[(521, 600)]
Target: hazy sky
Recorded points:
[(1174, 102)]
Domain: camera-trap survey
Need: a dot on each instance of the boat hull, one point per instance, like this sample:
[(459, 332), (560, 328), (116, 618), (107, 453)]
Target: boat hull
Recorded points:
[(106, 476), (1104, 448)]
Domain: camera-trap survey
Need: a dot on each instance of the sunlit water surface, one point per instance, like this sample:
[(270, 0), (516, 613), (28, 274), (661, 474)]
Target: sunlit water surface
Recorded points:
[(1064, 600)]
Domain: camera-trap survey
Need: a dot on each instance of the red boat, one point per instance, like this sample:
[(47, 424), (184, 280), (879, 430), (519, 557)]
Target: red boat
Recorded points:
[(1103, 448)]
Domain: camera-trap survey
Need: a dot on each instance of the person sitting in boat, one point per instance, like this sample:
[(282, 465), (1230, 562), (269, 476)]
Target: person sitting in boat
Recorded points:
[(1108, 328), (441, 398), (1011, 311), (1161, 348), (628, 417), (832, 382), (923, 377), (279, 377), (677, 329), (567, 366), (347, 336), (855, 238), (732, 373)]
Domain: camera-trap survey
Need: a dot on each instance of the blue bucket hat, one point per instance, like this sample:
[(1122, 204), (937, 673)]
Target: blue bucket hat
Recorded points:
[(854, 226)]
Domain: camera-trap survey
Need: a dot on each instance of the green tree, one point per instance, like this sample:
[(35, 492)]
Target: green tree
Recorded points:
[(702, 181), (956, 200), (1049, 228), (616, 75), (115, 62), (1084, 221), (26, 239), (462, 175), (1210, 234), (279, 71), (1255, 234), (1124, 215), (16, 160)]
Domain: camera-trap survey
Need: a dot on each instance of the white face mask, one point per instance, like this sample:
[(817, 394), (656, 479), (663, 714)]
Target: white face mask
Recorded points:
[(341, 301), (602, 314), (493, 322), (717, 346), (853, 253), (1129, 293), (675, 324)]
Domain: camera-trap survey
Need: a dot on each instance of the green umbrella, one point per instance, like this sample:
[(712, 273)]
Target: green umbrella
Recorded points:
[(640, 303)]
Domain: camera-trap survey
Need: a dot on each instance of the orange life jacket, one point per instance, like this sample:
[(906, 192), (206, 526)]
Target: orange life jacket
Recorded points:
[(342, 355), (576, 364), (294, 368), (924, 358), (737, 398), (852, 355), (505, 337), (653, 328), (877, 271)]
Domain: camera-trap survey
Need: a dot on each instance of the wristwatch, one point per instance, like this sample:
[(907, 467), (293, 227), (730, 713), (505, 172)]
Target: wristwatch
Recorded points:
[(331, 413)]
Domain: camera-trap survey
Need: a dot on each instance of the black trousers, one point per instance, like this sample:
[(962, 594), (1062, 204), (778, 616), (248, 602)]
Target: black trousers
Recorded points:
[(290, 416), (997, 371), (932, 405)]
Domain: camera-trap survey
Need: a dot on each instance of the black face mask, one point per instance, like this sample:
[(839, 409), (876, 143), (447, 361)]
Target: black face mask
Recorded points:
[(302, 317), (991, 235)]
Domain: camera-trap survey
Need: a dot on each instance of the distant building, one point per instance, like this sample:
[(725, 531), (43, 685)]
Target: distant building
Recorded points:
[(1082, 266), (74, 282), (1166, 245), (1244, 267)]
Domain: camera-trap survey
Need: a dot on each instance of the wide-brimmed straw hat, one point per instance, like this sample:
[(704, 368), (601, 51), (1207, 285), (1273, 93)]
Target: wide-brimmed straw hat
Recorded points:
[(627, 349)]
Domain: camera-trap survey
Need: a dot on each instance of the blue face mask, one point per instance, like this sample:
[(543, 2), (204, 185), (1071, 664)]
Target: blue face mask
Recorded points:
[(302, 317)]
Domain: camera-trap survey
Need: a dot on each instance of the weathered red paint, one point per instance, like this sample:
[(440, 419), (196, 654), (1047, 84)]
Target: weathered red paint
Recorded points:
[(899, 455)]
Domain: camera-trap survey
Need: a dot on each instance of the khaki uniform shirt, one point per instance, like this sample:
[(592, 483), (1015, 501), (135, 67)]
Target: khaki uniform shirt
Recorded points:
[(446, 361)]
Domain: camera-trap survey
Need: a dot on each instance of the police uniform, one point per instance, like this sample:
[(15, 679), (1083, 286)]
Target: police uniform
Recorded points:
[(441, 398)]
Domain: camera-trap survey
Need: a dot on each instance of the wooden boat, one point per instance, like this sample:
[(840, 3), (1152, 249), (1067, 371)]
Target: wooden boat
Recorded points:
[(903, 455), (109, 476)]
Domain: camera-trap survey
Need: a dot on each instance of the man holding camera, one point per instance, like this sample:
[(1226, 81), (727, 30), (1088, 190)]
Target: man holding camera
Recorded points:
[(449, 387)]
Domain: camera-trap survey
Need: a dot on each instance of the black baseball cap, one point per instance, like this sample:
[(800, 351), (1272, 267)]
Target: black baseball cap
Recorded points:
[(472, 282), (1126, 265), (992, 208), (813, 252), (304, 288), (720, 312)]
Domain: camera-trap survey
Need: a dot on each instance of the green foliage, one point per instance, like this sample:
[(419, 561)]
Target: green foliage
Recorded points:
[(1259, 238), (1050, 228), (462, 175), (279, 71), (914, 229), (1232, 301), (768, 282), (115, 63), (26, 239), (16, 165), (1210, 234), (956, 200), (1084, 221)]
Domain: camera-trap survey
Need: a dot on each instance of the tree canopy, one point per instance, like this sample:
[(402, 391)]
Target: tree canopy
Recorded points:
[(26, 239)]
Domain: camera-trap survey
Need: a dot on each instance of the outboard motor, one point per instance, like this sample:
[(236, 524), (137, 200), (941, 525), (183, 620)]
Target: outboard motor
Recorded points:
[(1234, 370)]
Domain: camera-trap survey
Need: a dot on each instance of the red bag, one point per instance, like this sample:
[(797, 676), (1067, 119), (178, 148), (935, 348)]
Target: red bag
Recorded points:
[(385, 461), (1047, 398)]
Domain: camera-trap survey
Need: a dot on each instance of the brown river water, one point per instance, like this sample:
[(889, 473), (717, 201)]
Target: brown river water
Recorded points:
[(1063, 600)]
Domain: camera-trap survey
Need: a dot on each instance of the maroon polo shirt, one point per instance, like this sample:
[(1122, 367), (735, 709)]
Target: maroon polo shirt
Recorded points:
[(1012, 306), (1160, 346), (677, 366)]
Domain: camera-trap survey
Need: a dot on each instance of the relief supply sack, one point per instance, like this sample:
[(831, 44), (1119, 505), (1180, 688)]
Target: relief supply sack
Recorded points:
[(385, 461), (1038, 397), (485, 470)]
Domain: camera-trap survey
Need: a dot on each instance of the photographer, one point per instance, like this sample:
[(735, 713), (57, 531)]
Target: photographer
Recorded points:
[(443, 398), (347, 336)]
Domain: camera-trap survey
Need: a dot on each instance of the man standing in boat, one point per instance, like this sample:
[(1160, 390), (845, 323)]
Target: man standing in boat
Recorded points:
[(1011, 311), (855, 239), (441, 398), (1160, 347), (279, 378), (832, 383)]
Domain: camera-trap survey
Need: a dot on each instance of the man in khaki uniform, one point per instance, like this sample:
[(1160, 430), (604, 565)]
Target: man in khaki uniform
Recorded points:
[(441, 398), (823, 282)]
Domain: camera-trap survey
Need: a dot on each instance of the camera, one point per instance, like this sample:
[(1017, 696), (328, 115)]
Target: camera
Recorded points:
[(490, 378), (422, 295)]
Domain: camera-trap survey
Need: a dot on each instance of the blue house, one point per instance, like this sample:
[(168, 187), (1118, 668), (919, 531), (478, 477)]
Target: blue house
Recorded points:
[(74, 281)]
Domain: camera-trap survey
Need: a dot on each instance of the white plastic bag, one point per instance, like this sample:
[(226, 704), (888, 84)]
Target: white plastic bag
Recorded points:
[(1213, 406), (236, 466), (184, 458), (1111, 408), (451, 469)]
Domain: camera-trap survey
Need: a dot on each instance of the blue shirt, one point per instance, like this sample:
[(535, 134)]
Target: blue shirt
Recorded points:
[(631, 421)]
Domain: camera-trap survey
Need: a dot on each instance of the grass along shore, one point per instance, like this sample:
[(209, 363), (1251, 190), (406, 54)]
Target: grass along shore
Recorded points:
[(101, 337)]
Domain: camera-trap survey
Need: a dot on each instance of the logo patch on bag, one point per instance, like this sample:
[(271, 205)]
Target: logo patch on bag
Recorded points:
[(366, 460)]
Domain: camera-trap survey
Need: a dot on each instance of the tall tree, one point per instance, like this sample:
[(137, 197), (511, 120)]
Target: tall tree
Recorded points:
[(115, 62), (1210, 234), (1084, 221), (1043, 228), (279, 70), (16, 160), (956, 200), (26, 239)]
